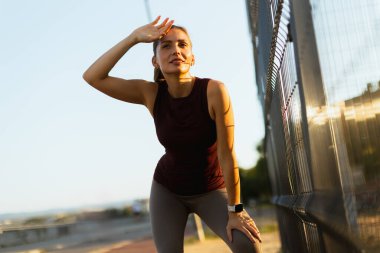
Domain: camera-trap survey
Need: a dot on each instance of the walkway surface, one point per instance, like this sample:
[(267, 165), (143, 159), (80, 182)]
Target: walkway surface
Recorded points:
[(271, 244), (265, 220), (135, 236)]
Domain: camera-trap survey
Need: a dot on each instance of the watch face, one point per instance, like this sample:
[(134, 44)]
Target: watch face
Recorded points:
[(239, 208)]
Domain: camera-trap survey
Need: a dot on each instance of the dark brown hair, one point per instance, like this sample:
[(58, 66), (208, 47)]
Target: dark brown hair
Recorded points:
[(158, 76)]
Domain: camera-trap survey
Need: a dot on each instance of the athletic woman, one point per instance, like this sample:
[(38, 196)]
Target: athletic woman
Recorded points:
[(194, 122)]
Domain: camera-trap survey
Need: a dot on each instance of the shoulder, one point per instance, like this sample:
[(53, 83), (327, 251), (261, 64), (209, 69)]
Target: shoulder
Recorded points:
[(218, 98), (217, 91), (149, 88)]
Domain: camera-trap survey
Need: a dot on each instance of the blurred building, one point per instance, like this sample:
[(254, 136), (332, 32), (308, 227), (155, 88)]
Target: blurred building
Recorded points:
[(140, 207), (15, 235), (317, 66)]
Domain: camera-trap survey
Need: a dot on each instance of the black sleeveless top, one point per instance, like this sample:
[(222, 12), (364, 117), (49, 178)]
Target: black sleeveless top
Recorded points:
[(184, 127)]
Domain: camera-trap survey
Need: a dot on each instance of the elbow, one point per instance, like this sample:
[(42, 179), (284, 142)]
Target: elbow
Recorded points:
[(87, 78), (92, 80)]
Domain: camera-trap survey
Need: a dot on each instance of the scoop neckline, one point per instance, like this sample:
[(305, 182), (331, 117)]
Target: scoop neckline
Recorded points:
[(181, 98)]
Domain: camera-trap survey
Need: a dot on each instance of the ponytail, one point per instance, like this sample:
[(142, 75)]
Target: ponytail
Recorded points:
[(158, 76)]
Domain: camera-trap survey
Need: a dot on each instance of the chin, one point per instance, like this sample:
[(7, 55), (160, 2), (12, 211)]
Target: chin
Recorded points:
[(179, 70)]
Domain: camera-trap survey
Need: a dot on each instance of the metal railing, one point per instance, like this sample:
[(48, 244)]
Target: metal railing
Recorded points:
[(323, 149)]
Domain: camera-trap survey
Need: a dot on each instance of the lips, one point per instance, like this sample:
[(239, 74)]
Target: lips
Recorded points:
[(177, 60)]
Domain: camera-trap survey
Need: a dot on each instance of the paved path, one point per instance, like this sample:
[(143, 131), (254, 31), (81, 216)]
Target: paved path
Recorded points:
[(271, 244), (131, 236), (265, 219)]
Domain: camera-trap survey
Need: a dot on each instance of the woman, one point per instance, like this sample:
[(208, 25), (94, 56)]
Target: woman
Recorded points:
[(194, 122)]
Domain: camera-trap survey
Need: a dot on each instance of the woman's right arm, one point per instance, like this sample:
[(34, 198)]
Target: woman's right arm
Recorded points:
[(133, 90)]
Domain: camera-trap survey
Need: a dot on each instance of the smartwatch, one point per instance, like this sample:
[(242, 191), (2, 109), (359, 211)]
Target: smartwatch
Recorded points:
[(235, 208)]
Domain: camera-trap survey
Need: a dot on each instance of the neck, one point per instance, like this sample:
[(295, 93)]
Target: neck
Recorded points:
[(179, 85)]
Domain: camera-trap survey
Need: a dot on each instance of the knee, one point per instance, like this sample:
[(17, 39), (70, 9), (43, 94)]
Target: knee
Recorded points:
[(166, 245), (241, 243), (169, 248)]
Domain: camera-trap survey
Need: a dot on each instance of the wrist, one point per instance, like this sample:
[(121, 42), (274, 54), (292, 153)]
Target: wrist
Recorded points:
[(133, 38), (237, 208)]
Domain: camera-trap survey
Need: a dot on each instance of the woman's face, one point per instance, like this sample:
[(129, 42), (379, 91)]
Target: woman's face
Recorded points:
[(174, 53)]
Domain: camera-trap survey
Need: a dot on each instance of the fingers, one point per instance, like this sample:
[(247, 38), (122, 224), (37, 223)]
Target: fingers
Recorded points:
[(244, 230), (168, 26), (248, 234), (250, 223), (254, 230), (251, 226), (229, 234), (163, 23), (248, 227), (156, 20), (165, 29)]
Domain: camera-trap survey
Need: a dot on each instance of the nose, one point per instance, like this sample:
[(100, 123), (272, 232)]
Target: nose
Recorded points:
[(176, 51)]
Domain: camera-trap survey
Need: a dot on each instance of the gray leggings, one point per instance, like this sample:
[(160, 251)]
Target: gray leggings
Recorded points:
[(169, 213)]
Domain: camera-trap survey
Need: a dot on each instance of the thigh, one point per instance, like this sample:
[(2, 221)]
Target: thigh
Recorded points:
[(168, 219), (212, 208)]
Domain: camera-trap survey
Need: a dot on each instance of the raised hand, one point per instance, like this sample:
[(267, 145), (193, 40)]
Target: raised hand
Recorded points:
[(152, 31)]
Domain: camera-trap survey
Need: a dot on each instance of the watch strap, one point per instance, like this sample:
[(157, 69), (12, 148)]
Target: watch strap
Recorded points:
[(235, 208)]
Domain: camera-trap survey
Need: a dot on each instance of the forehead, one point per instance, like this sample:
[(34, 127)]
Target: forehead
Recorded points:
[(175, 35)]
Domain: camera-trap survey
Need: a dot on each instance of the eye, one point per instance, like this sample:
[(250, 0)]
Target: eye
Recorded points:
[(165, 46), (183, 44)]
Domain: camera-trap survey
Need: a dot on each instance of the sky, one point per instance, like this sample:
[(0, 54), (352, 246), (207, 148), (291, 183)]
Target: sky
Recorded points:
[(63, 143)]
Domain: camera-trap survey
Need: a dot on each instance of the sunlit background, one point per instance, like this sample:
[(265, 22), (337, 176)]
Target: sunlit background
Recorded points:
[(62, 143)]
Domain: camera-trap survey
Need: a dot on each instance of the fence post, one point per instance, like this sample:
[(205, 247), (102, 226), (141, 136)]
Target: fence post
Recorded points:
[(199, 228)]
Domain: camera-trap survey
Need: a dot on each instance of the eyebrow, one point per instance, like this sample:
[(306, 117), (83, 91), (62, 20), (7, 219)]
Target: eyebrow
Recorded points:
[(170, 41)]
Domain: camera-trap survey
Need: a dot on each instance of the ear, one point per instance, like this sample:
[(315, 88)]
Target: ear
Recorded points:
[(154, 62), (193, 61)]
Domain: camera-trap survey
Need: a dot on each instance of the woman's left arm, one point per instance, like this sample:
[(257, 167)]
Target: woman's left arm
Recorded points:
[(221, 112)]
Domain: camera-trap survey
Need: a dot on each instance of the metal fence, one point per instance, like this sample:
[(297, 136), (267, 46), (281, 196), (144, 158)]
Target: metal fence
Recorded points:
[(317, 68)]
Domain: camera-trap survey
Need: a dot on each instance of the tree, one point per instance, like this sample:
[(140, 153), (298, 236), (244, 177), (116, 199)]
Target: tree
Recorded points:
[(255, 181)]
